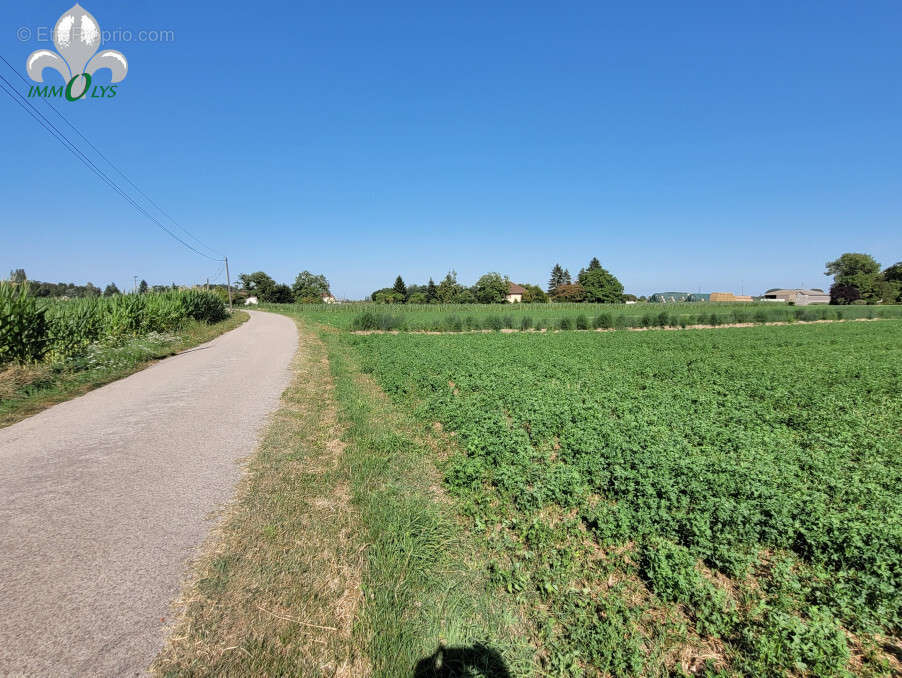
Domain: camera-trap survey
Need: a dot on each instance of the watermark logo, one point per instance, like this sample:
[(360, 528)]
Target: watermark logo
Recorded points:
[(77, 38)]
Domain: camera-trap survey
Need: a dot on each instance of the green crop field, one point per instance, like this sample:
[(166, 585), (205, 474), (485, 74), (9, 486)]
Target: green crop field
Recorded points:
[(722, 501), (463, 317)]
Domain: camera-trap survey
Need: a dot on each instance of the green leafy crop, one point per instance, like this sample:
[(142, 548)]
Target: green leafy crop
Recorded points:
[(733, 496)]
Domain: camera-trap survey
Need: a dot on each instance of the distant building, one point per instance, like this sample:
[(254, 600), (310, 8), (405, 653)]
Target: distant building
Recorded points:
[(328, 299), (799, 297), (515, 293), (673, 297), (729, 296), (668, 297), (251, 301)]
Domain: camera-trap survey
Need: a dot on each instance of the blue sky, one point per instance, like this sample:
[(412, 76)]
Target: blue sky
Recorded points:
[(712, 146)]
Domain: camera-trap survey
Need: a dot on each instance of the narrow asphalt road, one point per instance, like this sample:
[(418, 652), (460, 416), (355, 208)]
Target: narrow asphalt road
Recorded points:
[(105, 498)]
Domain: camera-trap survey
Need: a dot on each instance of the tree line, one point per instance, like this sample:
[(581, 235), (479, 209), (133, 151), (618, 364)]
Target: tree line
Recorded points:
[(593, 284), (37, 288), (307, 288), (857, 279)]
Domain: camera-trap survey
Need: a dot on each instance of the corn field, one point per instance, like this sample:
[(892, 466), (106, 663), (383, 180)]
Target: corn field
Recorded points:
[(33, 330)]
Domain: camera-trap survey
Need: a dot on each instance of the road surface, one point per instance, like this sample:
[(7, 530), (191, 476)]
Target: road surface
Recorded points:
[(104, 499)]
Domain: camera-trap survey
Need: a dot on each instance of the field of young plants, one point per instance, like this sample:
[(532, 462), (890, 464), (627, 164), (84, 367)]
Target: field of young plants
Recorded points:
[(726, 501), (466, 317)]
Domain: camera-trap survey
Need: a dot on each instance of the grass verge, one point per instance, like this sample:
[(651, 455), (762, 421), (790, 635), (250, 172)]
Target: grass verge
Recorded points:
[(27, 389), (341, 555), (428, 608)]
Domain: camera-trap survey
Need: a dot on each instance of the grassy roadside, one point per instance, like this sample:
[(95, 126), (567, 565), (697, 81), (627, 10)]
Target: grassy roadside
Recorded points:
[(278, 588), (428, 609), (341, 555), (27, 389)]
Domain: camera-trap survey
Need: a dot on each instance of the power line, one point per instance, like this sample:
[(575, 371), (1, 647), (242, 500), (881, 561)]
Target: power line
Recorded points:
[(113, 165), (51, 129)]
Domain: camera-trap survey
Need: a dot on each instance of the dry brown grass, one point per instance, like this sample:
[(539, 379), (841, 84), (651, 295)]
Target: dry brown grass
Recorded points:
[(14, 378), (277, 590)]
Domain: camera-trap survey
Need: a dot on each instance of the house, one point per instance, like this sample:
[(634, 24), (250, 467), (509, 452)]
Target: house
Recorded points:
[(515, 293), (328, 299), (251, 301), (799, 297)]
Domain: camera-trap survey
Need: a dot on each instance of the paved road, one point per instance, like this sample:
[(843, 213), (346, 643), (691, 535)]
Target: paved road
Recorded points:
[(103, 499)]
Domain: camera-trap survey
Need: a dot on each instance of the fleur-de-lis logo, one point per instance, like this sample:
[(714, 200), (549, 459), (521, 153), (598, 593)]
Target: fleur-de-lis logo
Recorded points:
[(77, 38)]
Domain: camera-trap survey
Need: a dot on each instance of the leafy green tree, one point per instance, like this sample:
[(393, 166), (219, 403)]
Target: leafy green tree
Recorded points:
[(893, 273), (890, 292), (431, 292), (851, 264), (600, 285), (491, 289), (18, 276), (280, 294), (387, 295), (309, 288), (417, 298), (449, 290), (466, 297), (534, 295), (891, 286), (399, 287), (111, 290), (143, 287), (258, 284), (854, 269)]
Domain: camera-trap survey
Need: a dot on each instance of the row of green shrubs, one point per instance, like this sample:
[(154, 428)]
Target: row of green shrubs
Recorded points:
[(32, 330), (369, 320)]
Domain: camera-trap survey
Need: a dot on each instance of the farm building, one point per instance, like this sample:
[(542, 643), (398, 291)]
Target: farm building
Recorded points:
[(668, 297), (800, 297), (729, 296), (515, 293)]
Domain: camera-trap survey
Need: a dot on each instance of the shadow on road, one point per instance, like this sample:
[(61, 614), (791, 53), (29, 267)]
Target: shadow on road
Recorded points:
[(476, 661)]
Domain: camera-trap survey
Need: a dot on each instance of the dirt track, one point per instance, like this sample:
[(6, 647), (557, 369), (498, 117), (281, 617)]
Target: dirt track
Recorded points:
[(104, 498)]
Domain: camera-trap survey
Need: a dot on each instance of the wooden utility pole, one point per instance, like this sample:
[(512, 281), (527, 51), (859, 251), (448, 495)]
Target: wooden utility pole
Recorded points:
[(228, 284)]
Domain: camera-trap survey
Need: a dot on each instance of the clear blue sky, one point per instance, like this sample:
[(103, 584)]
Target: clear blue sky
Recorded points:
[(686, 145)]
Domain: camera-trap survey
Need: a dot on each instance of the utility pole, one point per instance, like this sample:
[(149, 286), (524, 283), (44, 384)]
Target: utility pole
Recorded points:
[(228, 284), (135, 288)]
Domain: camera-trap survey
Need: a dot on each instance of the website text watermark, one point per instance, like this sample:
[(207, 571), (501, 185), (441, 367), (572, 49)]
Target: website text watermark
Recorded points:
[(45, 34)]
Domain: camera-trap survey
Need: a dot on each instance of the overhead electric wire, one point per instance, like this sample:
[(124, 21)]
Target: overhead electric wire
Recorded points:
[(51, 129), (114, 166)]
